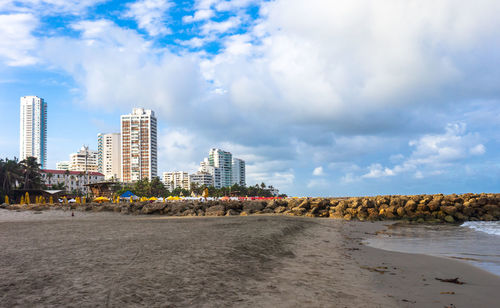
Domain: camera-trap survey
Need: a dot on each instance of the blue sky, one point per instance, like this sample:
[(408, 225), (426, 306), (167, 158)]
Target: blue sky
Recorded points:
[(319, 97)]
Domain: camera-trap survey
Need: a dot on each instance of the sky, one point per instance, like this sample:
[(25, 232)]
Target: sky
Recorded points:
[(319, 97)]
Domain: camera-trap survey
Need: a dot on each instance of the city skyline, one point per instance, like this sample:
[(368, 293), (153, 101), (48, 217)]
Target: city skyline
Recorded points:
[(348, 99)]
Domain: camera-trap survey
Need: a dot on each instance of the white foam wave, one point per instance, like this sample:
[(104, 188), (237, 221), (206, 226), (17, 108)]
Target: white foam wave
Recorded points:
[(490, 227)]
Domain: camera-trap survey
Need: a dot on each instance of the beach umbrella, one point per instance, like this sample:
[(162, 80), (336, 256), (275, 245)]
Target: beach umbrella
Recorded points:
[(27, 198), (170, 198), (153, 199), (7, 199), (131, 199), (205, 193), (143, 199), (51, 200)]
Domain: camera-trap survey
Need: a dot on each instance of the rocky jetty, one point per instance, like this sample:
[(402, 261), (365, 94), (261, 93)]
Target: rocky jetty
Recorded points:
[(419, 208)]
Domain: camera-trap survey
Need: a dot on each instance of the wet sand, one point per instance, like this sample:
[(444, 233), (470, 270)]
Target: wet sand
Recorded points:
[(106, 259)]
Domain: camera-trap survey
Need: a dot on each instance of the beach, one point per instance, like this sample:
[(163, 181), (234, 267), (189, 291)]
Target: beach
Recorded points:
[(50, 258)]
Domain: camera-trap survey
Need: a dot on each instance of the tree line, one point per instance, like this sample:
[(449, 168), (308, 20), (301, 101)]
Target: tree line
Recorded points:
[(156, 187)]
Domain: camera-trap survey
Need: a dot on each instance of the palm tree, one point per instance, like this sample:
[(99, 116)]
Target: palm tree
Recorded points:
[(31, 172), (10, 174), (66, 177), (49, 177)]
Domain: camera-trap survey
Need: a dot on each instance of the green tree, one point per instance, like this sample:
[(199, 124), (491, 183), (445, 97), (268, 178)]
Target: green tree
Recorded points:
[(11, 174), (32, 176), (156, 187)]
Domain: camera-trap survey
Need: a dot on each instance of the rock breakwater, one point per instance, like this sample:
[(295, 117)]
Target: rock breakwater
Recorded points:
[(420, 208)]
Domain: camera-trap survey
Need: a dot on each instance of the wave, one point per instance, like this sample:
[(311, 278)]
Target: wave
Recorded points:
[(489, 227)]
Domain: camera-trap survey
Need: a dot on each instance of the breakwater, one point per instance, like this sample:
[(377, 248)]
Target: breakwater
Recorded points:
[(419, 208)]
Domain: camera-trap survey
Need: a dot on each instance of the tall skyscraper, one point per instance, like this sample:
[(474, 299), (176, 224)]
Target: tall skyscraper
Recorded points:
[(238, 169), (33, 129), (222, 160), (139, 145), (108, 159)]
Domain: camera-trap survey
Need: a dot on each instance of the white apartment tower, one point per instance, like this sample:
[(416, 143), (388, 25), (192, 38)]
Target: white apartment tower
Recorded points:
[(238, 169), (214, 172), (108, 157), (224, 161), (33, 129), (138, 145)]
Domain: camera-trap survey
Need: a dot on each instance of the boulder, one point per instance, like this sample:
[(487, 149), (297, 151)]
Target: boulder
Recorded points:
[(232, 212), (252, 207), (189, 212), (216, 210), (280, 209), (449, 219), (153, 208), (450, 210)]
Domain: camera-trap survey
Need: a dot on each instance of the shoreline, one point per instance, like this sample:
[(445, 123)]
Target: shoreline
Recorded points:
[(260, 260)]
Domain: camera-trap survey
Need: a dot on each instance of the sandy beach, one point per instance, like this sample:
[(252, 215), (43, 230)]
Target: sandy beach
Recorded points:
[(107, 259)]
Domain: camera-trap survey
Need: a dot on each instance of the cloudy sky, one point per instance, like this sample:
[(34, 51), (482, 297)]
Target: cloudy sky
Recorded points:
[(319, 97)]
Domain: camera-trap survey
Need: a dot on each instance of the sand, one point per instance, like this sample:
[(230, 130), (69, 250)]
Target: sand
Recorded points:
[(107, 259)]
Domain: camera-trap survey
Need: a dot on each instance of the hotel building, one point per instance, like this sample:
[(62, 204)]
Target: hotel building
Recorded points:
[(33, 129), (176, 179), (138, 145), (238, 169), (108, 157), (83, 160), (201, 178), (72, 180)]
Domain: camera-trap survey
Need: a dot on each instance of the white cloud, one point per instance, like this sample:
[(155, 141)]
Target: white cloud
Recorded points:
[(211, 27), (377, 171), (318, 171), (477, 150), (49, 7), (433, 152), (18, 42), (150, 15), (199, 15)]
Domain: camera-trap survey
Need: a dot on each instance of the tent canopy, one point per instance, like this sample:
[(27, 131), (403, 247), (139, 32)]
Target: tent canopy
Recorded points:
[(127, 194)]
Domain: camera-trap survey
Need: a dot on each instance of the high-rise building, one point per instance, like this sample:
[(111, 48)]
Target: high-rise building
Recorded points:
[(176, 179), (238, 170), (138, 145), (62, 165), (222, 160), (83, 160), (33, 129), (108, 157)]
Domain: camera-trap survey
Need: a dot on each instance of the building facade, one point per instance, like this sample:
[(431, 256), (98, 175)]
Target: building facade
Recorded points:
[(33, 129), (201, 178), (176, 179), (83, 160), (214, 172), (108, 155), (238, 169), (138, 145), (72, 180), (62, 165), (222, 160)]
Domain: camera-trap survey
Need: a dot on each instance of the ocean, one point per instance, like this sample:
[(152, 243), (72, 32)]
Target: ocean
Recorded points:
[(477, 243)]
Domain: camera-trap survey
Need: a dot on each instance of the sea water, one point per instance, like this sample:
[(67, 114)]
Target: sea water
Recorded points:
[(477, 243)]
